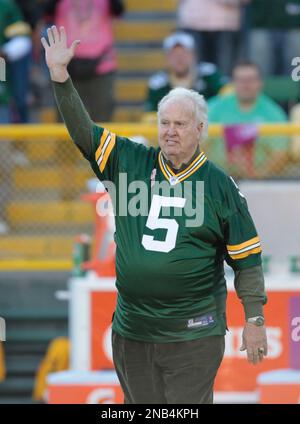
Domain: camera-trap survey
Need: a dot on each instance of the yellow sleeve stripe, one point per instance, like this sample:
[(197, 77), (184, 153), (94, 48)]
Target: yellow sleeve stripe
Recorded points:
[(107, 142), (236, 247), (242, 250), (247, 253)]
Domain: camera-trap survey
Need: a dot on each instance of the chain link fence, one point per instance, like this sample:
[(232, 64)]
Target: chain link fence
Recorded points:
[(43, 175), (265, 157), (41, 182)]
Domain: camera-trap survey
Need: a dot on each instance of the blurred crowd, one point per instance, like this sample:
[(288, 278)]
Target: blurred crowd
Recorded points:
[(228, 50), (222, 33), (225, 49), (23, 22)]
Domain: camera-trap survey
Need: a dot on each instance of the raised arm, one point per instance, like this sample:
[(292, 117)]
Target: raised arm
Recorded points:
[(73, 112)]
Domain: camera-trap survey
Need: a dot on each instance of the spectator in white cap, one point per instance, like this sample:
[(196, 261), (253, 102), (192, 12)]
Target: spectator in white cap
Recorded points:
[(182, 70)]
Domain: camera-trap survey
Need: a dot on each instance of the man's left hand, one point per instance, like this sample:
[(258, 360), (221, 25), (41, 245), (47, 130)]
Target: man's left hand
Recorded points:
[(255, 342)]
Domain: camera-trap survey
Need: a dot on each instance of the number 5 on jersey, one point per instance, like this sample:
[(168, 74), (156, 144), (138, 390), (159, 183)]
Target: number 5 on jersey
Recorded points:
[(154, 223)]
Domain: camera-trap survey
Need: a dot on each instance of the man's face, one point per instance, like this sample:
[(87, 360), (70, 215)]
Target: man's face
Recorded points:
[(178, 131), (180, 60), (247, 83)]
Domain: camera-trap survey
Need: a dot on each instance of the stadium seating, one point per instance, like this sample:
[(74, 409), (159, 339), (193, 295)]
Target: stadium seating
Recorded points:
[(141, 32), (33, 317), (43, 203), (139, 36)]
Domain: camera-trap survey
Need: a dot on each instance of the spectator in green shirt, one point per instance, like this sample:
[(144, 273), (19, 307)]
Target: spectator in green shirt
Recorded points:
[(249, 105), (182, 70)]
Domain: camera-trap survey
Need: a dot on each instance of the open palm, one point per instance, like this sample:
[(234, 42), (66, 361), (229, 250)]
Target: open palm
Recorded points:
[(57, 52)]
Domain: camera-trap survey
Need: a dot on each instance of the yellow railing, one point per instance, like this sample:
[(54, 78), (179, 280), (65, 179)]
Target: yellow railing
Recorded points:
[(59, 131), (42, 176)]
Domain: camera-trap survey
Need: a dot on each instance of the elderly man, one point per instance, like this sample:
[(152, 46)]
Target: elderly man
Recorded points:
[(182, 70), (169, 324)]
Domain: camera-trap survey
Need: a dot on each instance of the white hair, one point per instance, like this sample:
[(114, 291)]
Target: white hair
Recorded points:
[(198, 101)]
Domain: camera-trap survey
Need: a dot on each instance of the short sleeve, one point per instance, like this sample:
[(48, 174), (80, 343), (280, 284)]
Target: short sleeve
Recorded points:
[(111, 155), (107, 149), (243, 247)]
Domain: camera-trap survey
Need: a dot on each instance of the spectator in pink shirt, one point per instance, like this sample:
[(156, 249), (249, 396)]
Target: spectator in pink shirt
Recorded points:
[(94, 66), (216, 26)]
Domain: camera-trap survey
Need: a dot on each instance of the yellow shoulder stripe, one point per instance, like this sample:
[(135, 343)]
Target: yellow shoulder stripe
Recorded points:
[(102, 140), (108, 151), (107, 143)]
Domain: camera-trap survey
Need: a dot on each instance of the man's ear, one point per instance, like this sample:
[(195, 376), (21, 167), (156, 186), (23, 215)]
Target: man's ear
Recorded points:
[(200, 127)]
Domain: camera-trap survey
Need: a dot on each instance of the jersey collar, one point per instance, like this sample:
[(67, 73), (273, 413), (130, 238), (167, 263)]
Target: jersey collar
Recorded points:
[(174, 178)]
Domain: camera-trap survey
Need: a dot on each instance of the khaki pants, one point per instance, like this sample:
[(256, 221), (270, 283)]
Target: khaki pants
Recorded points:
[(167, 373)]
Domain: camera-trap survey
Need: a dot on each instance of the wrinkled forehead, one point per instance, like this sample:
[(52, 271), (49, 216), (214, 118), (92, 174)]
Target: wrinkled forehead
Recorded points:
[(178, 107)]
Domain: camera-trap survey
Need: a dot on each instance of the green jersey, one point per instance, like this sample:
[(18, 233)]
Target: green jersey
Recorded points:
[(208, 81), (170, 274)]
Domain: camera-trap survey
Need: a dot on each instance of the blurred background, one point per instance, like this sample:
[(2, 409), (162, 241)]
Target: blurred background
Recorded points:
[(242, 56)]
